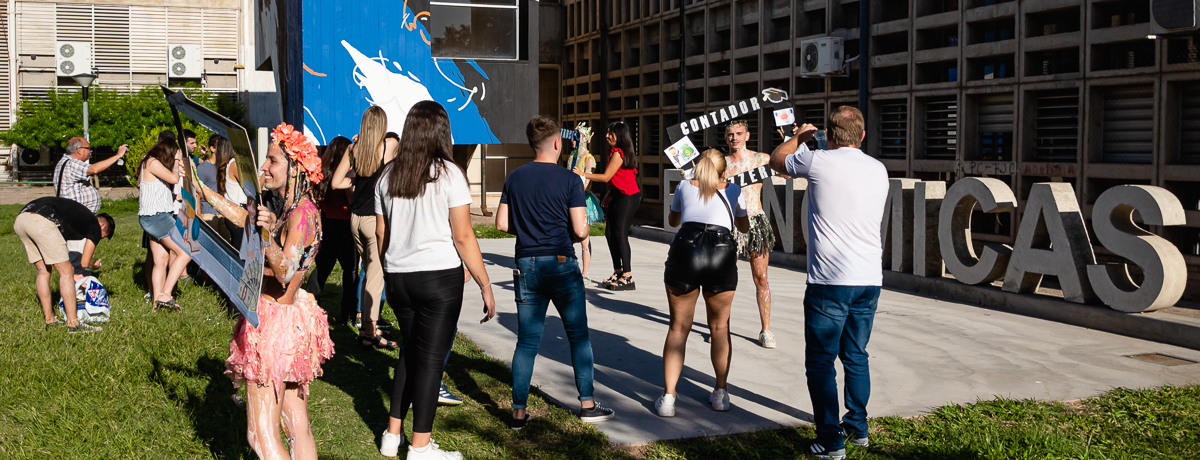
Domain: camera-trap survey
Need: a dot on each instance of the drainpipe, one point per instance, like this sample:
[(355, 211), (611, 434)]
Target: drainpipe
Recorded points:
[(864, 44)]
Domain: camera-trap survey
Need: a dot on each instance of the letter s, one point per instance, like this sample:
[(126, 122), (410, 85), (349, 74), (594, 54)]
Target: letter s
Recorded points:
[(1164, 267)]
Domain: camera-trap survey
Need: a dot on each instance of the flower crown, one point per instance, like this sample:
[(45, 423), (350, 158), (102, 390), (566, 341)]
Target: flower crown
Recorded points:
[(299, 149)]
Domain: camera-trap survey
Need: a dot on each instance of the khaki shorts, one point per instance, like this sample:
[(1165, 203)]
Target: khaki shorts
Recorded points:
[(42, 239)]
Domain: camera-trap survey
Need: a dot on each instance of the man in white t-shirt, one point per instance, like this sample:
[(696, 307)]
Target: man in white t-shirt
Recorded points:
[(847, 190)]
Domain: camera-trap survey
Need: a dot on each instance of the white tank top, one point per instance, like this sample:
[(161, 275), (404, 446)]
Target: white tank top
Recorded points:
[(154, 197), (233, 190)]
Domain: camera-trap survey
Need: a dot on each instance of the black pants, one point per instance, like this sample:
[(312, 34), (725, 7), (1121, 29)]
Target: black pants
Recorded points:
[(620, 218), (427, 305), (337, 247)]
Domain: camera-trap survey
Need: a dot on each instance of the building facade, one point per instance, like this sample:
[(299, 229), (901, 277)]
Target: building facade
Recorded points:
[(1022, 91), (129, 42)]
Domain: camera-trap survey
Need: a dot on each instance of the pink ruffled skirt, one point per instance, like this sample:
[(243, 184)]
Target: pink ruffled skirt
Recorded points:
[(288, 346)]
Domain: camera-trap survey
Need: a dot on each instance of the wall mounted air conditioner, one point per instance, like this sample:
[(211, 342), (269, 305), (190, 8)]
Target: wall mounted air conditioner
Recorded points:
[(33, 157), (822, 57), (72, 58), (1168, 16), (185, 61)]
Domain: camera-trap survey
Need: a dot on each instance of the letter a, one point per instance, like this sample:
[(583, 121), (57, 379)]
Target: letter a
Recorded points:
[(1052, 240)]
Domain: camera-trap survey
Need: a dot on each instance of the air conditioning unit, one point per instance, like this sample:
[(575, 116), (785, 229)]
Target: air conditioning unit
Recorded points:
[(72, 58), (1168, 16), (185, 61), (822, 57), (33, 157)]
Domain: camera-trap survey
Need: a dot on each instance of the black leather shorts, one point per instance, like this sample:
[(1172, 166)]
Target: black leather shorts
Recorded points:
[(702, 256)]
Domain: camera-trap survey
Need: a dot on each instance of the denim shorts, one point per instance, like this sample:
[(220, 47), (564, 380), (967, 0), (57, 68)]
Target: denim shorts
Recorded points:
[(158, 226)]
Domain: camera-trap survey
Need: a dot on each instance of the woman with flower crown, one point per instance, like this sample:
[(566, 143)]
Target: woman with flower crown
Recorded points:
[(277, 360)]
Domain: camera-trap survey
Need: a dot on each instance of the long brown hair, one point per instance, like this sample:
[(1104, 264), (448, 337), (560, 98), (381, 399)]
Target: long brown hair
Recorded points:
[(368, 154), (625, 143), (425, 151), (329, 159), (222, 150), (163, 151)]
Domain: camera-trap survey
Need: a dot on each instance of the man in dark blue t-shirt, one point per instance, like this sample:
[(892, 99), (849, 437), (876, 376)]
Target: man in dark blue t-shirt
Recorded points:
[(543, 205)]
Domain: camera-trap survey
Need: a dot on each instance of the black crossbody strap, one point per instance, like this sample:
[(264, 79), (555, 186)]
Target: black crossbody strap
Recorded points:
[(727, 208)]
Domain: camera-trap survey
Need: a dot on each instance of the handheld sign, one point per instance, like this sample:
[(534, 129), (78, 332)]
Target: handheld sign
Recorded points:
[(773, 98), (236, 271)]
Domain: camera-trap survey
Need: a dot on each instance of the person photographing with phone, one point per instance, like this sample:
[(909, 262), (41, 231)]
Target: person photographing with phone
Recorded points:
[(847, 190)]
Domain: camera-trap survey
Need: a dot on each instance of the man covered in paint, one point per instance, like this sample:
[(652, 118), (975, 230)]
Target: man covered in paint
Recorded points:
[(756, 244)]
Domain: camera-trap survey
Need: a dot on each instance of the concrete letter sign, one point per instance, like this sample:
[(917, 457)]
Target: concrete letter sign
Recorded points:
[(1052, 240), (1163, 265), (896, 227), (927, 202), (954, 229)]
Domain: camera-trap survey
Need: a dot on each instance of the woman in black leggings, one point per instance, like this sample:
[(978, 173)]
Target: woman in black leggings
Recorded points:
[(623, 198), (423, 225)]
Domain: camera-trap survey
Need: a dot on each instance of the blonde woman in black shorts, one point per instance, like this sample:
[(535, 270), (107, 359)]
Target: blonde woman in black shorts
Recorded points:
[(702, 258)]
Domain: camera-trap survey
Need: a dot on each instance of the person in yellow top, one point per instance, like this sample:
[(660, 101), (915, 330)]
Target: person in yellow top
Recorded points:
[(756, 244)]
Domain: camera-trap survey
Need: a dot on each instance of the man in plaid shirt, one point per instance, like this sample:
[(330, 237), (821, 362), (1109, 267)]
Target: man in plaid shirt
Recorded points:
[(71, 173)]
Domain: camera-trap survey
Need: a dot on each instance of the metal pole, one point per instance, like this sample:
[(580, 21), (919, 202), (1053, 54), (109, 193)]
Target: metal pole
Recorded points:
[(682, 61), (483, 181), (86, 134), (864, 42)]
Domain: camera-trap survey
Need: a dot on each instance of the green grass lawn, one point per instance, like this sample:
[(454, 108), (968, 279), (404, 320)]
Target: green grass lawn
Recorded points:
[(151, 385)]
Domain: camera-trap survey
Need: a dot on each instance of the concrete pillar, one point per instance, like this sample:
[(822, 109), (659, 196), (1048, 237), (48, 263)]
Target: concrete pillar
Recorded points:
[(954, 229), (1052, 240), (927, 203), (1162, 264), (896, 227)]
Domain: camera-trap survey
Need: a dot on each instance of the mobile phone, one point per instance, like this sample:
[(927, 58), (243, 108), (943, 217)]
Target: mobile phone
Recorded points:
[(822, 141)]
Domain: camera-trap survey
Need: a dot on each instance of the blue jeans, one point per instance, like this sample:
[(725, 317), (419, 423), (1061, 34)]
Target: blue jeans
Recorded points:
[(837, 324), (538, 281)]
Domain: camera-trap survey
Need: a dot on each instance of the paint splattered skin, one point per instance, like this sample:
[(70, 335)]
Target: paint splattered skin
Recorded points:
[(745, 161)]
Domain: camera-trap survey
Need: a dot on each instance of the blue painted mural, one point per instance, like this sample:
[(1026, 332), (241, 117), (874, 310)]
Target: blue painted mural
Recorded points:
[(359, 53)]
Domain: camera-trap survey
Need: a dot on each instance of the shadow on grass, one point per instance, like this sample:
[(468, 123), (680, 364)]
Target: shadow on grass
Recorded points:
[(218, 422), (363, 375)]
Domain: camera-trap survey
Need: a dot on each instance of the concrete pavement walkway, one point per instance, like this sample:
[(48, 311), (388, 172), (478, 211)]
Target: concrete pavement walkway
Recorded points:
[(924, 353)]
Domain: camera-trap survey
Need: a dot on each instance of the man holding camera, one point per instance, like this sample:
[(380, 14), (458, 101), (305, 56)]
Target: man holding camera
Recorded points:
[(847, 192), (71, 175)]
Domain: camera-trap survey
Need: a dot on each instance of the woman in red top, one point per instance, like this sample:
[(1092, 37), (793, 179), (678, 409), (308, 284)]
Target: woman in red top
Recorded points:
[(623, 198), (337, 246)]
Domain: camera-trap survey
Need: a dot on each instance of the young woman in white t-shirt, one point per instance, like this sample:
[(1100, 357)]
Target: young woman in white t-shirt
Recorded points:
[(423, 225), (703, 257)]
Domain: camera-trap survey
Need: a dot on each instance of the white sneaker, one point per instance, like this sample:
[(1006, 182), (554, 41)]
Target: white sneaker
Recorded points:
[(665, 405), (432, 451), (390, 445), (719, 400)]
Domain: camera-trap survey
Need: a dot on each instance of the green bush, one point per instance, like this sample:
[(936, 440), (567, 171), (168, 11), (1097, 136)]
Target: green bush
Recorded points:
[(115, 118)]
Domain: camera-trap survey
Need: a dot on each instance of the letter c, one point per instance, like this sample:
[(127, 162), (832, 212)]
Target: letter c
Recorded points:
[(954, 229)]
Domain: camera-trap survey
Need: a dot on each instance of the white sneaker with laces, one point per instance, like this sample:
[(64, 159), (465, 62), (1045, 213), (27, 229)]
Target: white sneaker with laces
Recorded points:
[(719, 399), (432, 451), (665, 405), (390, 445)]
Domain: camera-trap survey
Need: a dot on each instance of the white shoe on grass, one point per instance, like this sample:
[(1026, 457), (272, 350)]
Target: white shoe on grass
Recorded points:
[(390, 445), (432, 451)]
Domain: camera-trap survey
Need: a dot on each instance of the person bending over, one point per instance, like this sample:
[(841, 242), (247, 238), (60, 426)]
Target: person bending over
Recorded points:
[(45, 225)]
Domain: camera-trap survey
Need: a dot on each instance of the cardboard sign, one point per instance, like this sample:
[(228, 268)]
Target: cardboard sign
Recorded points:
[(773, 98), (236, 271)]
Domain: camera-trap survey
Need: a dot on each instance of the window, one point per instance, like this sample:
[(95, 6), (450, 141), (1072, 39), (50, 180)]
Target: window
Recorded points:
[(941, 129), (1189, 125), (1056, 125), (1127, 132), (475, 29), (893, 132), (995, 117)]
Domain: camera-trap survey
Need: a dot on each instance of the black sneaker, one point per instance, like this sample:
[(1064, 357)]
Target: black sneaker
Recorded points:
[(516, 424), (596, 414), (824, 453), (383, 324)]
